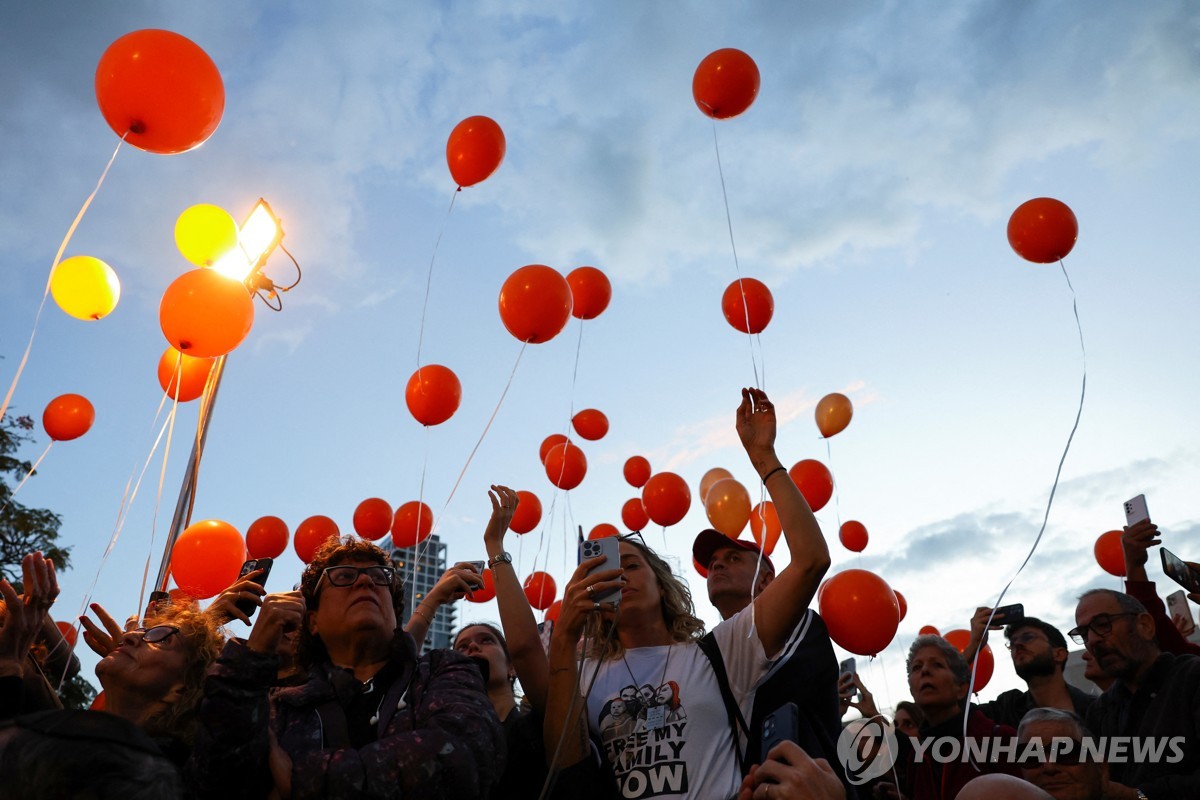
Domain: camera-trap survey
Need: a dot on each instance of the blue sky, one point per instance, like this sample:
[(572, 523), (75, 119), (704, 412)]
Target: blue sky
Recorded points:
[(869, 186)]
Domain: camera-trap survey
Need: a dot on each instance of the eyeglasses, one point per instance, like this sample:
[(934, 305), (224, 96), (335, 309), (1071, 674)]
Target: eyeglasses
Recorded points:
[(1101, 625), (159, 633), (1024, 639), (635, 535), (345, 575)]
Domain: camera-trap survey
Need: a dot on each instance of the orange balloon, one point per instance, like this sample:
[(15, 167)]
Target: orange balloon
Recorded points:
[(960, 638), (550, 442), (637, 471), (192, 375), (160, 91), (267, 537), (311, 534), (373, 518), (205, 314), (633, 514), (412, 524), (541, 590), (903, 605), (1109, 553), (853, 535), (99, 704), (590, 292), (433, 394), (207, 558), (566, 466), (833, 414), (591, 424), (861, 611), (485, 592), (666, 498), (821, 589), (474, 150), (726, 83), (535, 303), (603, 531), (928, 630), (814, 482), (712, 476), (528, 513), (68, 417), (553, 612), (728, 507), (68, 632), (1043, 230), (765, 511), (750, 308)]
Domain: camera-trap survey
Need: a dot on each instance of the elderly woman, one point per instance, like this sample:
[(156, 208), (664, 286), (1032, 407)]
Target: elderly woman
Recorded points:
[(683, 744), (373, 719)]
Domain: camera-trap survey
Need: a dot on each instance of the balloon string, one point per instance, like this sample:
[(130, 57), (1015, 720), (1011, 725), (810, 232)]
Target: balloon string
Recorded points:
[(429, 278), (422, 547), (162, 476), (837, 495), (486, 428), (36, 464), (1057, 473), (49, 278), (736, 265)]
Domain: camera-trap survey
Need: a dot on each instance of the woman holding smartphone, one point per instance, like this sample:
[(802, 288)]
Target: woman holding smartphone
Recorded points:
[(684, 746)]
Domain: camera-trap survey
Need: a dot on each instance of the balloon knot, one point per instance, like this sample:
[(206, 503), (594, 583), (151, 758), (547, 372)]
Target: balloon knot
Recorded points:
[(137, 126)]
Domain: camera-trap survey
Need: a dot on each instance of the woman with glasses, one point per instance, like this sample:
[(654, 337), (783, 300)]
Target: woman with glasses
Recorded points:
[(373, 718), (682, 742)]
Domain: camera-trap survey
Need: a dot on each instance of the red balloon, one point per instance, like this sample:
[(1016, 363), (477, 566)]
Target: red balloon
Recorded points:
[(535, 303), (590, 292), (541, 590), (700, 569), (474, 150), (853, 535), (765, 511), (554, 611), (485, 592), (861, 611), (603, 531), (821, 590), (182, 377), (903, 605), (551, 441), (207, 558), (160, 91), (1109, 553), (666, 498), (68, 417), (99, 704), (637, 471), (960, 638), (725, 83), (566, 466), (814, 482), (528, 513), (68, 632), (311, 534), (373, 518), (412, 524), (205, 314), (267, 537), (633, 514), (1043, 230), (433, 394), (749, 309), (591, 424), (928, 630)]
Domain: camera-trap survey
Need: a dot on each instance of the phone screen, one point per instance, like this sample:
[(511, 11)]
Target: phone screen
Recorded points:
[(1180, 572)]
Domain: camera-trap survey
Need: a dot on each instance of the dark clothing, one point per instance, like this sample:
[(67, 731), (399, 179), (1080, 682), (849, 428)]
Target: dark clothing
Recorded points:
[(27, 693), (1166, 704), (929, 780), (525, 767), (436, 733), (1170, 640), (807, 675), (1009, 707)]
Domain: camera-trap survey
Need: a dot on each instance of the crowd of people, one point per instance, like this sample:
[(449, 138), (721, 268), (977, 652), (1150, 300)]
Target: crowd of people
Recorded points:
[(328, 696)]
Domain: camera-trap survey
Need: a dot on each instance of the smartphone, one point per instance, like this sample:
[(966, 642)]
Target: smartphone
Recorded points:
[(1136, 511), (781, 725), (245, 606), (1009, 615), (1180, 572), (610, 548), (158, 600), (847, 667), (1177, 604), (478, 565)]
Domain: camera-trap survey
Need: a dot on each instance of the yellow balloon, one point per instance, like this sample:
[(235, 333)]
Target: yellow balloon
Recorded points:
[(204, 233), (85, 287)]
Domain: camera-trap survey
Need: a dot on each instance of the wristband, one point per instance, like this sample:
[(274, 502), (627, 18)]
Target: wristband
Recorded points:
[(502, 558), (772, 472), (428, 618)]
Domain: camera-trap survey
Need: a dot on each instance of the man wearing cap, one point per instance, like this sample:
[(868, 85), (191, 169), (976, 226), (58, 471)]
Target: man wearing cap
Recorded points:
[(806, 671)]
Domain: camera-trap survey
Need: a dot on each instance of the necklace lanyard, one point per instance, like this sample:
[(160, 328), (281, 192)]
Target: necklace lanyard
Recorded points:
[(654, 701)]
